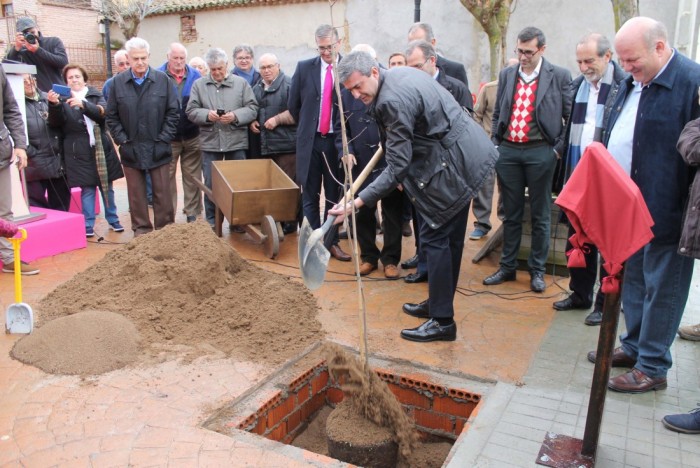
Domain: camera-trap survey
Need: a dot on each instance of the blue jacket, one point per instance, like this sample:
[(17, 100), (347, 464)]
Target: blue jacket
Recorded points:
[(667, 104), (186, 130)]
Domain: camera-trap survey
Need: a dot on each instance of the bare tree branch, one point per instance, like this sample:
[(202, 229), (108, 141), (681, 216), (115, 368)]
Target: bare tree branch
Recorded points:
[(128, 14)]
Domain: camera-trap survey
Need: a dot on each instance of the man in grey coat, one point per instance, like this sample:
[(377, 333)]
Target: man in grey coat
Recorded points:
[(437, 154), (222, 105)]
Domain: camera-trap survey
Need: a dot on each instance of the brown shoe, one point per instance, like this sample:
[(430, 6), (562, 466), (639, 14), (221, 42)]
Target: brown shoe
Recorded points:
[(690, 332), (619, 358), (636, 381), (366, 268), (391, 272), (338, 253)]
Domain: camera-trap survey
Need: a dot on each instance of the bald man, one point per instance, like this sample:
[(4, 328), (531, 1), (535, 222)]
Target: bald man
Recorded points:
[(652, 107)]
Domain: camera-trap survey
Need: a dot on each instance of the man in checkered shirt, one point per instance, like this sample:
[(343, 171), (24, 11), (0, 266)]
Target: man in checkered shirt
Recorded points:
[(533, 103)]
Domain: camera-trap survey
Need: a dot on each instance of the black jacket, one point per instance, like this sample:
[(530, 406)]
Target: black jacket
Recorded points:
[(273, 101), (456, 70), (49, 59), (457, 89), (143, 120), (44, 145), (79, 156)]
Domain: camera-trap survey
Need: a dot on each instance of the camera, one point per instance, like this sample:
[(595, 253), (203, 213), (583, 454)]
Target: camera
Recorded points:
[(220, 112), (29, 37)]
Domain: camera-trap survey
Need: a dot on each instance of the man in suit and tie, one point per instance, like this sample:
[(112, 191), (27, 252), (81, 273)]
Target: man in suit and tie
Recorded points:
[(424, 32), (311, 102)]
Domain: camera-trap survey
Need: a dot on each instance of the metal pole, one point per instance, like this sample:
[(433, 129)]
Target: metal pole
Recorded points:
[(416, 12), (108, 47)]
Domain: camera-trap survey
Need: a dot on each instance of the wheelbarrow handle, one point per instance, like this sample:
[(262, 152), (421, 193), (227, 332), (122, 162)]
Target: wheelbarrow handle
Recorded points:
[(357, 183)]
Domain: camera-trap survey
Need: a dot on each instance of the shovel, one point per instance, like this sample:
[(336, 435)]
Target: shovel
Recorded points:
[(19, 317), (313, 255)]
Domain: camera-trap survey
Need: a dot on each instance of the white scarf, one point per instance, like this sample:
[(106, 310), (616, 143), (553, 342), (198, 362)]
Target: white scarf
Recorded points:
[(89, 123)]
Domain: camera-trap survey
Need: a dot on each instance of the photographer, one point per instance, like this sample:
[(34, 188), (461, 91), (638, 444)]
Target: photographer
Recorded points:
[(47, 53)]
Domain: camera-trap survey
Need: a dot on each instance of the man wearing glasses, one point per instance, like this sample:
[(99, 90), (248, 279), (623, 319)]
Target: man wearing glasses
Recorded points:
[(533, 102), (312, 101)]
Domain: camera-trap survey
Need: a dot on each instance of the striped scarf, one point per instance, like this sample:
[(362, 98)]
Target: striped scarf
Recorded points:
[(101, 161), (578, 117)]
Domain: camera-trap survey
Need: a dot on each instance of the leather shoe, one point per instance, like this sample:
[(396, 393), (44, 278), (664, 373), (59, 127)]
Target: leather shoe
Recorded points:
[(431, 331), (537, 281), (419, 310), (636, 381), (416, 278), (570, 303), (338, 253), (366, 268), (619, 358), (391, 272), (499, 277), (594, 318), (410, 263)]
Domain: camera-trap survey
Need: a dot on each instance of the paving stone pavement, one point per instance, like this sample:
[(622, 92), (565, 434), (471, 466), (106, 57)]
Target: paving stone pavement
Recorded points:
[(509, 430)]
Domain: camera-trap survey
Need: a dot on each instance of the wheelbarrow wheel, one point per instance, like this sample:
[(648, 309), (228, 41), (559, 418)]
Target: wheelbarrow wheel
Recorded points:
[(271, 244)]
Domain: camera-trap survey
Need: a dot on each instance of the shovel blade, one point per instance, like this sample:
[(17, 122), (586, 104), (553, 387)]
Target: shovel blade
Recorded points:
[(19, 318), (313, 256)]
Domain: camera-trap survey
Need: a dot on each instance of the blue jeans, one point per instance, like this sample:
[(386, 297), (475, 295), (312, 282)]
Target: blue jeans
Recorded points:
[(87, 198), (207, 158), (655, 290), (519, 167)]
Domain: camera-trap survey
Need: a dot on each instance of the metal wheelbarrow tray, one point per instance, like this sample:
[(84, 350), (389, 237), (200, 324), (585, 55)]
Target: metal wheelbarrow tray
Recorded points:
[(251, 192)]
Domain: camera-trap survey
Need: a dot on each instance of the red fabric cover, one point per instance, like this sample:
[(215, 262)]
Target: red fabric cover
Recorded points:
[(606, 209)]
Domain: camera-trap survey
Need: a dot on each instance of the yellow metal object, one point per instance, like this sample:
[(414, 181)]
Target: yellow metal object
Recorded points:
[(18, 265)]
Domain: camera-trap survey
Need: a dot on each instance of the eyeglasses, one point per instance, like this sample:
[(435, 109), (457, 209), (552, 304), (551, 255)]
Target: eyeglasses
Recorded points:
[(323, 49), (247, 58), (421, 65), (268, 67), (526, 53)]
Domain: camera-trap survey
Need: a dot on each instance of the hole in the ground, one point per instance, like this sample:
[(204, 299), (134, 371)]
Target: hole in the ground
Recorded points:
[(283, 410)]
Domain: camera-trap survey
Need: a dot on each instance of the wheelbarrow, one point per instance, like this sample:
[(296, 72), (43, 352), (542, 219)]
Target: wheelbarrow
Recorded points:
[(252, 193), (19, 317)]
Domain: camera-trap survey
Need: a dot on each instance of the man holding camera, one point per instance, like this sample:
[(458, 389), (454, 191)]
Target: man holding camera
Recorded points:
[(47, 53)]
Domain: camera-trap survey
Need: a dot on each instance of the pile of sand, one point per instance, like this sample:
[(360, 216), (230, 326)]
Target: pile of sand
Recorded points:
[(184, 286)]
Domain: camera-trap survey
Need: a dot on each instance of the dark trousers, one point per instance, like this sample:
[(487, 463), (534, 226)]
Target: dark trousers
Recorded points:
[(418, 223), (49, 193), (443, 249), (163, 212), (323, 170), (366, 225), (582, 280), (532, 167)]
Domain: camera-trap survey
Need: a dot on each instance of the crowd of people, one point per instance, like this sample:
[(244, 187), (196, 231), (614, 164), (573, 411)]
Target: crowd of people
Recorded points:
[(443, 153)]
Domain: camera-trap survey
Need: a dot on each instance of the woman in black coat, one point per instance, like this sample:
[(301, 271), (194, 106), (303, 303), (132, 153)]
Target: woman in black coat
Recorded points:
[(46, 182), (86, 146)]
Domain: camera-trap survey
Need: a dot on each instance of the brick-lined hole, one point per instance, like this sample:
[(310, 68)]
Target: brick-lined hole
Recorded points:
[(436, 409)]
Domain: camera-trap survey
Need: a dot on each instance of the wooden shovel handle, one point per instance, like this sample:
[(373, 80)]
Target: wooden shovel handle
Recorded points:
[(363, 175)]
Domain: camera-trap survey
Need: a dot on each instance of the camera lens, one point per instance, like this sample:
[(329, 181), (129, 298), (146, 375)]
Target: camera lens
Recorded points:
[(29, 37)]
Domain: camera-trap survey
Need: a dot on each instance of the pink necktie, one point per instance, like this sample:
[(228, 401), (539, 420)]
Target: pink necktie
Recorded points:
[(327, 102)]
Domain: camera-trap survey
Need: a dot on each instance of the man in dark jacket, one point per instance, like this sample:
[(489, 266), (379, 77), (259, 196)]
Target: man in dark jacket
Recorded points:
[(594, 92), (651, 110), (185, 145), (275, 127), (47, 53), (142, 115), (440, 157), (532, 105)]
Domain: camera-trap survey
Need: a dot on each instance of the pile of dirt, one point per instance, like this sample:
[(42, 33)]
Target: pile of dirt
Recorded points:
[(182, 285), (85, 343)]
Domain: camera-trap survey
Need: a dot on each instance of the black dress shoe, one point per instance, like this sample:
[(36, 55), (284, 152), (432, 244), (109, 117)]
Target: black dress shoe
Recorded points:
[(537, 283), (416, 278), (420, 310), (338, 253), (431, 331), (410, 263), (499, 277), (594, 318), (570, 303)]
